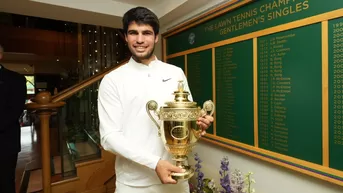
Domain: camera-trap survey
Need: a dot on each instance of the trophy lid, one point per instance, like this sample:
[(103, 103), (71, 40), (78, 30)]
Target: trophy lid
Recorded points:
[(181, 98)]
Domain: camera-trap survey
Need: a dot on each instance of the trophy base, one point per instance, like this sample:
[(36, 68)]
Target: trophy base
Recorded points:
[(189, 172)]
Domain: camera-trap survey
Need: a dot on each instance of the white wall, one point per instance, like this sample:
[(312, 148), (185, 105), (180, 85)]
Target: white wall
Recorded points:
[(269, 178)]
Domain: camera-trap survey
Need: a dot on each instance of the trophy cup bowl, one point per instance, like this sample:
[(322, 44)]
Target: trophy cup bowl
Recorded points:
[(178, 129)]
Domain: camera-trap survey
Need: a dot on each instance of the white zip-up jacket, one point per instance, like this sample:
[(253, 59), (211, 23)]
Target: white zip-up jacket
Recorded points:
[(125, 127)]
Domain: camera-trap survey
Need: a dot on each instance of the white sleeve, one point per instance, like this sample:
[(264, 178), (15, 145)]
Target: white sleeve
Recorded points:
[(111, 131)]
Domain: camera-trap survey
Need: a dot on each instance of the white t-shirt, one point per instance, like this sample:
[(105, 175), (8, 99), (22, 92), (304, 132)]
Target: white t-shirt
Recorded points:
[(125, 126)]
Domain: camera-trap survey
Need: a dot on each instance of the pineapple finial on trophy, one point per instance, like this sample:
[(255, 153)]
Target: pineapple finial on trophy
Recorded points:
[(180, 86)]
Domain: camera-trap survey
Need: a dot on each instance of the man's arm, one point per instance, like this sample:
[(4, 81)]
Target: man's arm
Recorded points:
[(112, 138), (16, 102)]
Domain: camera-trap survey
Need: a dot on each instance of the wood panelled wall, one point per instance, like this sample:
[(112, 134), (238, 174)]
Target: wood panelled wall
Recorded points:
[(40, 42)]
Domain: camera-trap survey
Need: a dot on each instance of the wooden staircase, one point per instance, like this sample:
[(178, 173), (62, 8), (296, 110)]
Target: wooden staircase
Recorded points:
[(95, 176)]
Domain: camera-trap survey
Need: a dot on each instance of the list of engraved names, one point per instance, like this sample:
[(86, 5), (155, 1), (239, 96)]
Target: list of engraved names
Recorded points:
[(336, 93), (225, 68), (234, 91), (337, 84), (273, 88), (194, 74)]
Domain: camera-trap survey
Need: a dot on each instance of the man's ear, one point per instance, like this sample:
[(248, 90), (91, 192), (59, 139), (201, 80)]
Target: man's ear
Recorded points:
[(125, 37), (156, 38)]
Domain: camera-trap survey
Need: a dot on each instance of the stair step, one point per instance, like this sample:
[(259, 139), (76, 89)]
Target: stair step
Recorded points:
[(32, 178), (96, 175), (35, 180)]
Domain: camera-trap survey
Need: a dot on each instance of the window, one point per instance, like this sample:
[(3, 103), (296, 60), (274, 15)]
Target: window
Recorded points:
[(30, 84)]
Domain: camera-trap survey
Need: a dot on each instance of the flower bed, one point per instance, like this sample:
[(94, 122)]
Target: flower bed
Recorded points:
[(230, 182)]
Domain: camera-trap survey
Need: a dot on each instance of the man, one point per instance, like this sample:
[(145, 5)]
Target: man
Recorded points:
[(12, 102), (142, 165)]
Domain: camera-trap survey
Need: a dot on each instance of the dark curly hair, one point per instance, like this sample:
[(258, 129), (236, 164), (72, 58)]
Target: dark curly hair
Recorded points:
[(141, 15)]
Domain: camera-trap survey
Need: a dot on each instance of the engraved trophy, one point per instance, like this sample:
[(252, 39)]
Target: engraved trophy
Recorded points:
[(178, 130)]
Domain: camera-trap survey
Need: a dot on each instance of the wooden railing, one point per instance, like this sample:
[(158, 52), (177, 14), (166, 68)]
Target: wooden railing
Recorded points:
[(44, 105), (84, 84)]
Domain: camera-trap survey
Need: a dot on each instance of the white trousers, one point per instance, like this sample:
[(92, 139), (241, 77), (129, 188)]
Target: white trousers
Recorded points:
[(180, 187)]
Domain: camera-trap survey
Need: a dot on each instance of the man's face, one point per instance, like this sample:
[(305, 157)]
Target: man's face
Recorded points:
[(141, 41)]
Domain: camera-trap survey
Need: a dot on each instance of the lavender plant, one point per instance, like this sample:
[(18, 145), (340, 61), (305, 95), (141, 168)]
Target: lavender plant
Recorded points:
[(200, 175), (225, 175), (233, 182)]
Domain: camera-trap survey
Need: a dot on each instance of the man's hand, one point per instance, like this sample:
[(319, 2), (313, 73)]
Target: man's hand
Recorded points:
[(164, 170), (204, 123)]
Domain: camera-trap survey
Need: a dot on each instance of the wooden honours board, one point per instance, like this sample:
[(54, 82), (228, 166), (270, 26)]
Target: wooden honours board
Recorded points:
[(274, 69), (178, 61), (234, 71), (290, 93), (335, 44)]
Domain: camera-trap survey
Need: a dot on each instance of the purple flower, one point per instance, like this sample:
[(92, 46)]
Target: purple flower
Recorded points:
[(225, 175), (200, 175), (224, 166)]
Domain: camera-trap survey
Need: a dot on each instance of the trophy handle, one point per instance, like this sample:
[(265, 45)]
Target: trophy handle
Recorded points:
[(207, 106), (152, 106)]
